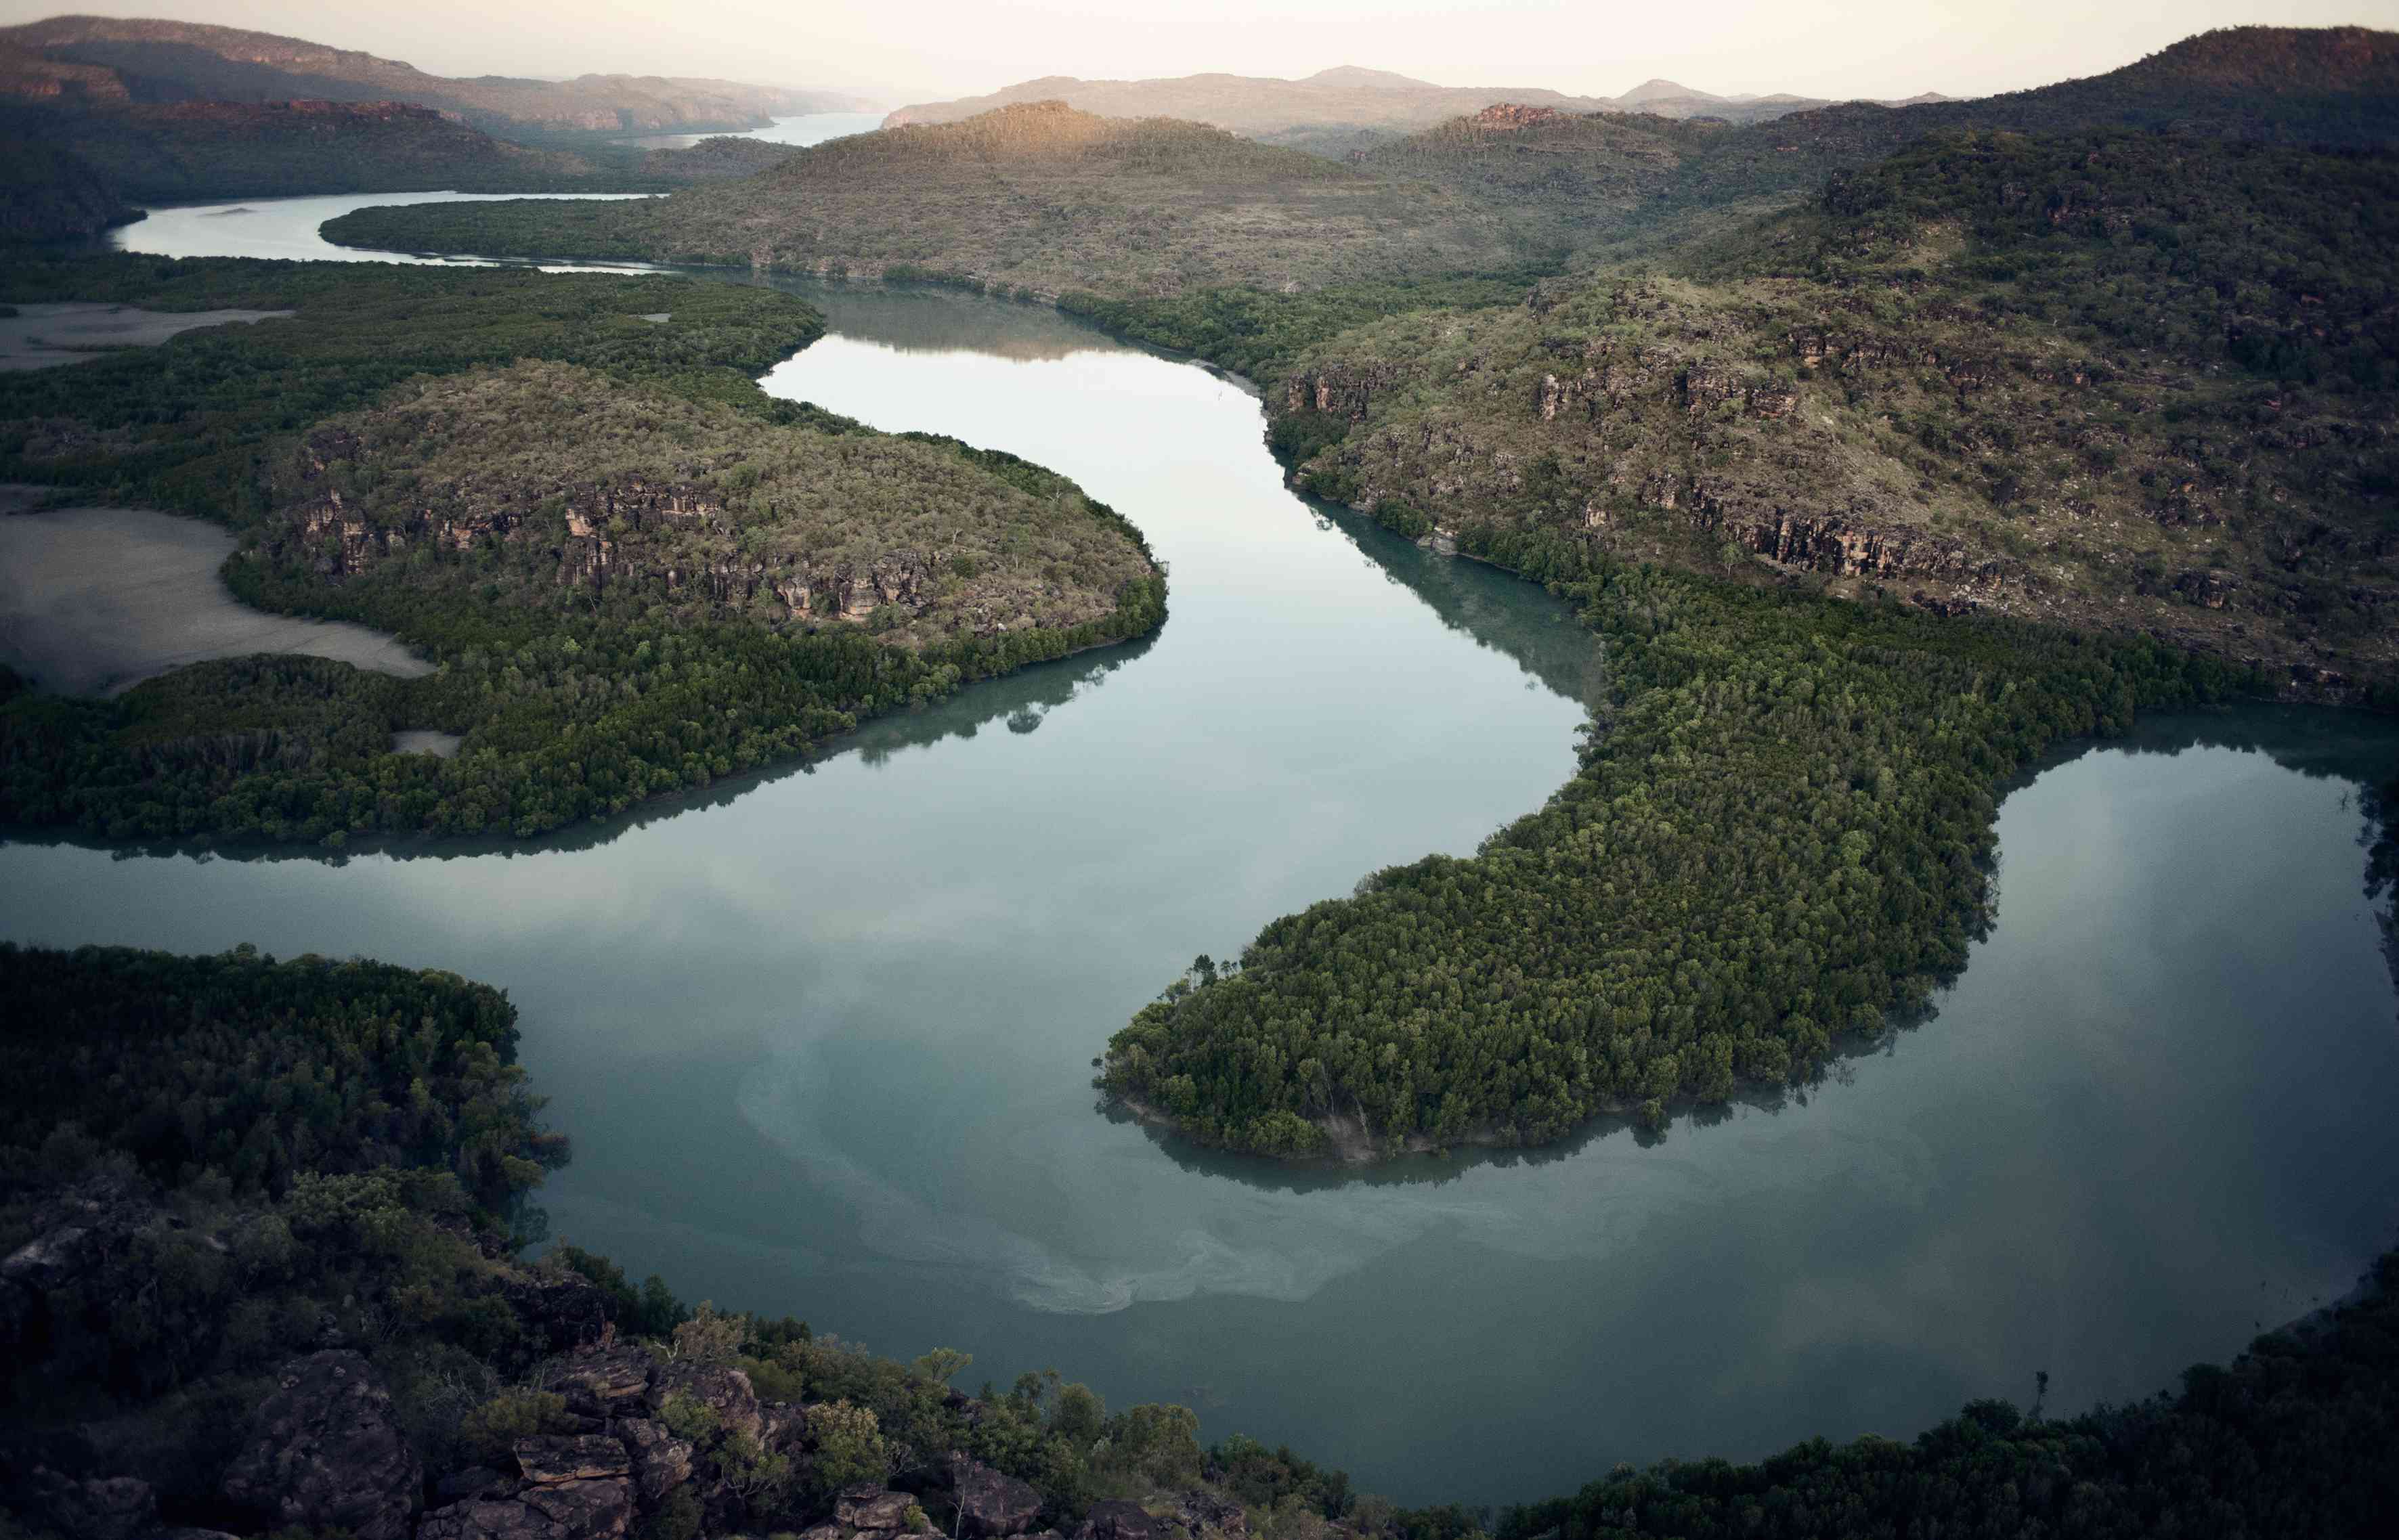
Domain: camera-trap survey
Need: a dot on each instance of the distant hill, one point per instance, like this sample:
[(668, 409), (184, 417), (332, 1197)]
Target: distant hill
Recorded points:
[(1587, 175), (197, 150), (1334, 110), (1663, 91), (1037, 197), (168, 61)]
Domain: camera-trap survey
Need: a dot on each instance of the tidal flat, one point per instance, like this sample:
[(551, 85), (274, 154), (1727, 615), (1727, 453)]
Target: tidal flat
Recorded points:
[(95, 600)]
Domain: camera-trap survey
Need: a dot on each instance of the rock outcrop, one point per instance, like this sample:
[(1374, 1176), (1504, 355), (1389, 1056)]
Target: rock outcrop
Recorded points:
[(325, 1451), (991, 1503), (100, 1508)]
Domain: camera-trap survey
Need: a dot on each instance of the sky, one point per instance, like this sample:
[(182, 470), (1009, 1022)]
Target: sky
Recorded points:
[(930, 49)]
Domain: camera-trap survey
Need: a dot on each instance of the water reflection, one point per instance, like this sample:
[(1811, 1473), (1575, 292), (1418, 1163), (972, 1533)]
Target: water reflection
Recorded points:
[(823, 1042), (2355, 747)]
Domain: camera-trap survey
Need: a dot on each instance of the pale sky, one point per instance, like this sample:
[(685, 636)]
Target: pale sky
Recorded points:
[(923, 50)]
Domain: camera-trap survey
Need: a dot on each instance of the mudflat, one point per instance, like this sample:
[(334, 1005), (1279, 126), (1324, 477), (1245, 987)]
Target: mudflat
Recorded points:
[(43, 336), (95, 600)]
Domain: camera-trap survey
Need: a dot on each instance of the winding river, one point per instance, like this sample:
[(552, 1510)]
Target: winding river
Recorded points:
[(822, 1038)]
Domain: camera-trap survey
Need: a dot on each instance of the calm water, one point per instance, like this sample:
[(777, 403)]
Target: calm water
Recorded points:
[(823, 1039), (807, 129)]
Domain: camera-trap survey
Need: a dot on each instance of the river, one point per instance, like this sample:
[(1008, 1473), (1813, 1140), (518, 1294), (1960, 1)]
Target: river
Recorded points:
[(823, 1039), (807, 128)]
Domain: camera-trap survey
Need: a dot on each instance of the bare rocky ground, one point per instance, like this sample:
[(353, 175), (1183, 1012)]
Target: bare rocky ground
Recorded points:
[(95, 600)]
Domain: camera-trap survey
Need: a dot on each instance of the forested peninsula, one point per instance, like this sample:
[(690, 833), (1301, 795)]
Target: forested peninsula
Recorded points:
[(636, 572), (264, 1224), (1993, 443)]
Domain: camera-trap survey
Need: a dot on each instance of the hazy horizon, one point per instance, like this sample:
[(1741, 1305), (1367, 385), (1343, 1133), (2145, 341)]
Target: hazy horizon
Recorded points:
[(1879, 49)]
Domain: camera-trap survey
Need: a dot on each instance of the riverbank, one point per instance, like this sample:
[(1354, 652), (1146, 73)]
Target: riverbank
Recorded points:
[(620, 615), (884, 975)]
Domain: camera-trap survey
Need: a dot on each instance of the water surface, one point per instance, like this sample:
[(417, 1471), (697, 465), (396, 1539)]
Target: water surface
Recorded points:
[(823, 1038), (95, 600), (803, 130)]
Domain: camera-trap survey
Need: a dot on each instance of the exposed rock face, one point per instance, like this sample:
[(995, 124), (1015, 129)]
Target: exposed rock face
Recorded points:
[(660, 1461), (989, 1502), (603, 544), (598, 1383), (325, 1453), (724, 1391), (1121, 1521), (567, 1510), (873, 1509), (1201, 1511), (584, 1457), (114, 1507), (566, 1308)]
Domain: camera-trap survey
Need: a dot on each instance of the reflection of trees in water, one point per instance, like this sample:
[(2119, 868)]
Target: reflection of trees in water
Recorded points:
[(2318, 742), (1021, 700), (929, 318), (1501, 612)]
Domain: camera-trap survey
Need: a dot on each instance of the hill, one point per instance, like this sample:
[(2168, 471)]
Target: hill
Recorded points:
[(2325, 86), (1658, 179), (637, 573), (2005, 412), (1342, 109), (166, 62), (195, 151), (1039, 200)]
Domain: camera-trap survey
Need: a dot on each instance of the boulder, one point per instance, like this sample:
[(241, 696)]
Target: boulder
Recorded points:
[(568, 1510), (1200, 1511), (1116, 1519), (324, 1452), (97, 1507), (597, 1383), (722, 1389), (548, 1460), (480, 1518), (873, 1509), (474, 1481), (562, 1308), (660, 1461), (585, 1510), (990, 1503)]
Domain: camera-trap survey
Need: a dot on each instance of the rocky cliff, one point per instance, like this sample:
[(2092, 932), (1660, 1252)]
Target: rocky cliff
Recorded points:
[(2069, 379), (786, 526)]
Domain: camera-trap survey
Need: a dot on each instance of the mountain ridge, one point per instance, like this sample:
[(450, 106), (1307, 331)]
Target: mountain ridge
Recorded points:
[(1329, 110), (160, 60)]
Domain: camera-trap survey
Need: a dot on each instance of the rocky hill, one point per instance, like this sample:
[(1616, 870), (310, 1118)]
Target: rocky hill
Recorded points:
[(1039, 200), (638, 573), (2068, 376), (164, 61), (1341, 109), (1596, 176)]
